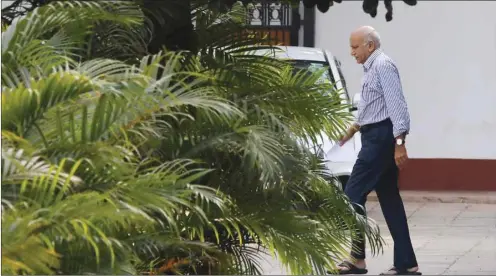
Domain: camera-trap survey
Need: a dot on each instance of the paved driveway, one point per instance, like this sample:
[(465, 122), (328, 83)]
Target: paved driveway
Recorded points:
[(449, 239)]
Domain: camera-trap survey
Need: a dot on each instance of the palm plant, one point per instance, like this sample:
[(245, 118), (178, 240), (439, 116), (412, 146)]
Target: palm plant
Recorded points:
[(169, 163)]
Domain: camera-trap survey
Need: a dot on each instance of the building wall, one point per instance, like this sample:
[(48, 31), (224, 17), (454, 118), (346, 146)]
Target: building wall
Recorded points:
[(446, 54)]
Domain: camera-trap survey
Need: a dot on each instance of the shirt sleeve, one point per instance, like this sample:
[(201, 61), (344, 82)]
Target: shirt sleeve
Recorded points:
[(396, 106)]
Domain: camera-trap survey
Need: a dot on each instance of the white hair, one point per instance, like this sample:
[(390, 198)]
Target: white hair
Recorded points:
[(370, 35)]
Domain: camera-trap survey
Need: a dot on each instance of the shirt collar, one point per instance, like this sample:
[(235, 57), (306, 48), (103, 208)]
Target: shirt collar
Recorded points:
[(371, 58)]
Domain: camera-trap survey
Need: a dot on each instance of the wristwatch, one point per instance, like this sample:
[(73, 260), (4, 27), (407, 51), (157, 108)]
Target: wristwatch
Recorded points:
[(400, 141)]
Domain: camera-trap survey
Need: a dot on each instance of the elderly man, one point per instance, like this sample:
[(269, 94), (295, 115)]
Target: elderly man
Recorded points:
[(384, 122)]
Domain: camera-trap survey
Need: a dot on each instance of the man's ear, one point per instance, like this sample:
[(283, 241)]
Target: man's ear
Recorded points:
[(371, 46)]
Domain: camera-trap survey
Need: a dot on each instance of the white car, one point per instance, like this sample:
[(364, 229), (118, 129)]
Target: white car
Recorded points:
[(339, 160)]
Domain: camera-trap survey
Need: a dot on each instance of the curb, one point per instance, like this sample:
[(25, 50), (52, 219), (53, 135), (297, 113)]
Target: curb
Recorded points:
[(444, 197)]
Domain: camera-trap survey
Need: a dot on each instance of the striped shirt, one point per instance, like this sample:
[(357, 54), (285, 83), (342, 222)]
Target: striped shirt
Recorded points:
[(382, 96)]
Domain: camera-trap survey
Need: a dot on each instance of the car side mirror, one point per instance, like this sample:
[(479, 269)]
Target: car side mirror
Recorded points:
[(355, 102)]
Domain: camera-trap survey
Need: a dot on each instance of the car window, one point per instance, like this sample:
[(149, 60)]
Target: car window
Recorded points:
[(314, 66)]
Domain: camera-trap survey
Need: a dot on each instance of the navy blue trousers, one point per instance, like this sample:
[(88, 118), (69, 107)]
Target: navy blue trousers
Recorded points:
[(375, 169)]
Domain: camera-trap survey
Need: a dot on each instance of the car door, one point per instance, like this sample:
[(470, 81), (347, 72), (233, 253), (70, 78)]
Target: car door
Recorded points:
[(348, 152)]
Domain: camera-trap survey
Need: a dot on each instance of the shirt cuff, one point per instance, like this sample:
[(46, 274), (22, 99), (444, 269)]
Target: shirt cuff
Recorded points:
[(397, 133)]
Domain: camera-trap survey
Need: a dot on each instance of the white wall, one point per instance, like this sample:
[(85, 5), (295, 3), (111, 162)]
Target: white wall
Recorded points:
[(446, 54)]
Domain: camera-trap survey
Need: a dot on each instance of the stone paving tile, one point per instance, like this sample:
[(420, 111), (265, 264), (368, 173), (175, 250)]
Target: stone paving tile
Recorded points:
[(422, 230), (468, 265), (480, 211), (488, 245), (374, 210), (433, 269), (474, 222), (470, 272), (424, 258), (438, 223), (481, 255), (373, 206), (449, 239), (452, 245), (441, 209), (468, 231)]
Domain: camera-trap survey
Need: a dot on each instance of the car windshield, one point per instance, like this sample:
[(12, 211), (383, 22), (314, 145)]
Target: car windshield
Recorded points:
[(313, 66)]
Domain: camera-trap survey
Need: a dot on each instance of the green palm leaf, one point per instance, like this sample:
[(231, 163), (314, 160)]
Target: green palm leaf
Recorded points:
[(23, 105), (175, 162), (39, 41)]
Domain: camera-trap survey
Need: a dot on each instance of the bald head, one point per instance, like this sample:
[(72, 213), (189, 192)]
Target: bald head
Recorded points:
[(368, 34), (363, 42)]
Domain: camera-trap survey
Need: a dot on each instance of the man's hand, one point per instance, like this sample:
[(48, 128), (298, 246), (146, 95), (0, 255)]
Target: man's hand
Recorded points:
[(348, 135), (400, 156)]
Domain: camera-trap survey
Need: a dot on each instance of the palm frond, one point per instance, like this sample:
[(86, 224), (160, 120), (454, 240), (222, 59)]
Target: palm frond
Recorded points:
[(17, 170), (40, 39), (23, 105), (119, 162)]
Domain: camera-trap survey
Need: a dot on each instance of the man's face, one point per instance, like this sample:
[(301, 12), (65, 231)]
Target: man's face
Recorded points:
[(359, 49)]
